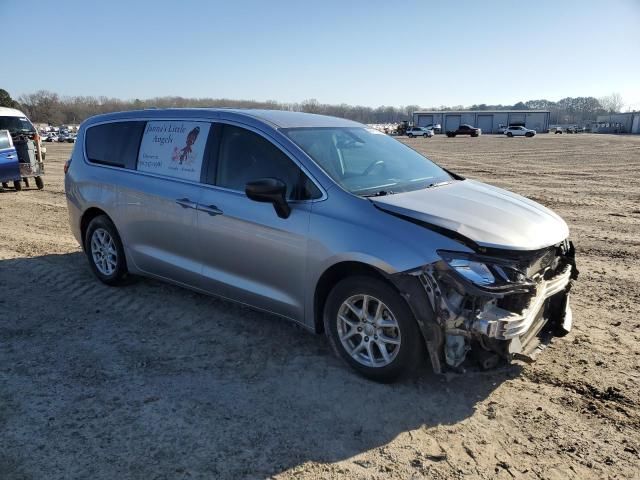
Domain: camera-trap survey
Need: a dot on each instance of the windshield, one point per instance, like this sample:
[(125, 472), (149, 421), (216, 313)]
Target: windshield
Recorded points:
[(16, 124), (365, 161)]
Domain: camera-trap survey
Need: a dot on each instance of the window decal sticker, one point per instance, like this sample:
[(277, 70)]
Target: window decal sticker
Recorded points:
[(173, 148)]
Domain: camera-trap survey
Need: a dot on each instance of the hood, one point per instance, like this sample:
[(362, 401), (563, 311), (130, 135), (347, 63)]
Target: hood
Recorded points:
[(489, 216)]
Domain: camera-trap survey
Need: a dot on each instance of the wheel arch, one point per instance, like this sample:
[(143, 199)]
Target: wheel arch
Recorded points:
[(331, 276), (88, 215), (407, 286)]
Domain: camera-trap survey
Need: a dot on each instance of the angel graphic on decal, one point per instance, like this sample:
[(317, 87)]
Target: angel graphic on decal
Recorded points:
[(187, 153)]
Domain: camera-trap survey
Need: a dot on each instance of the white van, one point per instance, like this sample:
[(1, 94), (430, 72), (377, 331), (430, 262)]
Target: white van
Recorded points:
[(27, 142)]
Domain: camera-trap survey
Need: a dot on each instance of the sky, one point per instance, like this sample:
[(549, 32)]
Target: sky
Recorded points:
[(336, 51)]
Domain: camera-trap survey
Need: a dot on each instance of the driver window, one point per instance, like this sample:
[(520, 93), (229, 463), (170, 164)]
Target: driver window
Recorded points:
[(246, 156)]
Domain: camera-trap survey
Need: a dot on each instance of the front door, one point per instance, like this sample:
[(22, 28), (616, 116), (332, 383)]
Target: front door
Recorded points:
[(9, 167), (248, 252)]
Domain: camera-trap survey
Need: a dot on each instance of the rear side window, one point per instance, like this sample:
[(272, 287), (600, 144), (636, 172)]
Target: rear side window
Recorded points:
[(114, 144), (174, 148)]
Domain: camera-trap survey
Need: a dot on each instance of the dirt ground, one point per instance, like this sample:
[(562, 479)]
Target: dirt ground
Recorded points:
[(154, 382)]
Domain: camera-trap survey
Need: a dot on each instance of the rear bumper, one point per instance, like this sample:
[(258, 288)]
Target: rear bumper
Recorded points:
[(75, 217)]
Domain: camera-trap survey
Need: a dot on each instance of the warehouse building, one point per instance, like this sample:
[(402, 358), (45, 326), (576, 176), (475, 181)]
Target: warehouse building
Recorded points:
[(487, 120), (617, 123)]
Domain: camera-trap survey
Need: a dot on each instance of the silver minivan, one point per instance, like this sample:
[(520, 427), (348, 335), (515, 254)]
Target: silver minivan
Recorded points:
[(326, 222)]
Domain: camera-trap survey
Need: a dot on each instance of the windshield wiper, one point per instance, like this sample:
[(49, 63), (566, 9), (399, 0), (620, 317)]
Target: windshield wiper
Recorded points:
[(437, 184), (379, 193)]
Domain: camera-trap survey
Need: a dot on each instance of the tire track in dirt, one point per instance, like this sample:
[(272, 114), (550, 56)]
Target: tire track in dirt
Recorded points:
[(75, 282)]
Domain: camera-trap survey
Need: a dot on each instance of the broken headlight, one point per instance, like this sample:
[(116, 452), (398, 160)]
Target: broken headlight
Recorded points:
[(484, 272), (475, 272)]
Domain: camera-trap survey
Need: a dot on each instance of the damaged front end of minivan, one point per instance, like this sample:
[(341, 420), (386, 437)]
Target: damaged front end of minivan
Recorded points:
[(494, 304)]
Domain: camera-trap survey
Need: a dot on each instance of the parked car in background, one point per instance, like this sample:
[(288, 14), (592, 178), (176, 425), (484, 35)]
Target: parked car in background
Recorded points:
[(28, 144), (557, 130), (419, 132), (50, 137), (465, 129), (436, 127), (71, 138), (326, 222), (519, 132)]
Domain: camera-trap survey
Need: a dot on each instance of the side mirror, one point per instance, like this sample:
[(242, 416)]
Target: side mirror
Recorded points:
[(270, 190)]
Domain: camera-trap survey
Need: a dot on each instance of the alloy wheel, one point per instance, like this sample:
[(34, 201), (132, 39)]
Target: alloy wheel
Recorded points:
[(368, 331), (104, 252)]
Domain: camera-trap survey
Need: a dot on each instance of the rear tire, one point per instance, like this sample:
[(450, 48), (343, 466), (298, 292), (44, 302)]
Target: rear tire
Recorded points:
[(410, 135), (17, 185), (509, 134), (105, 252), (425, 135), (359, 339), (39, 183)]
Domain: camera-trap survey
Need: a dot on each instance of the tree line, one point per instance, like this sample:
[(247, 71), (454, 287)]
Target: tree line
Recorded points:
[(48, 107)]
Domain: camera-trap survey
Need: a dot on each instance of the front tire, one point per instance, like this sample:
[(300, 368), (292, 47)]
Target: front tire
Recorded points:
[(410, 135), (509, 134), (371, 327), (17, 185), (105, 252), (39, 183)]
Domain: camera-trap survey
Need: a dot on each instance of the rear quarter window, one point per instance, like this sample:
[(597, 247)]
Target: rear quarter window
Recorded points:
[(174, 148), (114, 144)]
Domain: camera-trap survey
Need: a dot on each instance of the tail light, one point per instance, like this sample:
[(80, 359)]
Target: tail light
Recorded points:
[(67, 164)]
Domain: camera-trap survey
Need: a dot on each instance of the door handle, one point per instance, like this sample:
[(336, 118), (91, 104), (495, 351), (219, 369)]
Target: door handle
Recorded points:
[(10, 156), (186, 203), (210, 209)]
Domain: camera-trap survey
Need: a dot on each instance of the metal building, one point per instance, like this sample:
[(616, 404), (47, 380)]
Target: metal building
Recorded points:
[(617, 123), (489, 121)]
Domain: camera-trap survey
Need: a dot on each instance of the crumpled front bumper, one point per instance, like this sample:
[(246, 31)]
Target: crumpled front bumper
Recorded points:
[(516, 321), (496, 322)]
